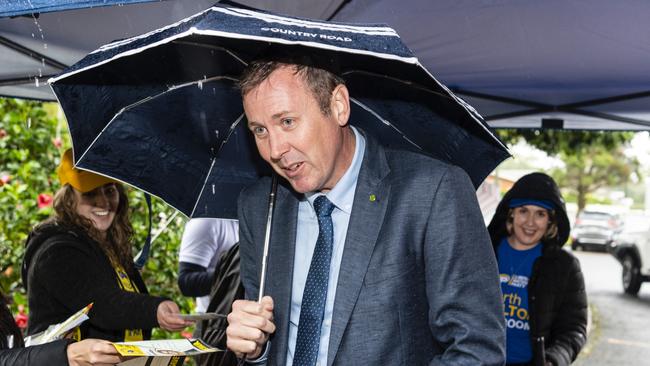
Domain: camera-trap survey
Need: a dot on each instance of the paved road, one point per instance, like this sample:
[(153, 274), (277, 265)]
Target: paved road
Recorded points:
[(620, 333)]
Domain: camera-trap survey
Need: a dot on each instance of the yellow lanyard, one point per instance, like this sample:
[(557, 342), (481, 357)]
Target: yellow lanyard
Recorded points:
[(130, 335)]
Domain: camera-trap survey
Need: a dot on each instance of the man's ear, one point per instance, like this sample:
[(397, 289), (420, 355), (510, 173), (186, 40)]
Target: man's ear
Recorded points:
[(340, 105)]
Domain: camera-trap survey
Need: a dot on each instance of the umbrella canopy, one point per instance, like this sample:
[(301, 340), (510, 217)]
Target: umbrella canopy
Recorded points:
[(162, 112)]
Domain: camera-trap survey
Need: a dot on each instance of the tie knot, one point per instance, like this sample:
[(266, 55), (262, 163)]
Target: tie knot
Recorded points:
[(323, 206)]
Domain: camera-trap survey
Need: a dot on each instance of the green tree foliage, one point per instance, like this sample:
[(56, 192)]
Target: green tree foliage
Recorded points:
[(28, 157), (554, 142), (593, 159), (32, 139), (594, 167)]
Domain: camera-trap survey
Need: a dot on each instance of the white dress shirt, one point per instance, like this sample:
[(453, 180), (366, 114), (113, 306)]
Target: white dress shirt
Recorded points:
[(342, 196)]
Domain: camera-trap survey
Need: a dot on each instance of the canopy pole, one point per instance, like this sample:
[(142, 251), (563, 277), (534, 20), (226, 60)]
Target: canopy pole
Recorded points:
[(267, 236), (36, 56)]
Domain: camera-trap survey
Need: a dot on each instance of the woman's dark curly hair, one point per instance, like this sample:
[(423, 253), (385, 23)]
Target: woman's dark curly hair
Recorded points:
[(118, 242)]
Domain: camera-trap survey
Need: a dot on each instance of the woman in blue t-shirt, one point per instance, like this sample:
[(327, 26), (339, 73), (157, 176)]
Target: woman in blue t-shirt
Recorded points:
[(545, 305)]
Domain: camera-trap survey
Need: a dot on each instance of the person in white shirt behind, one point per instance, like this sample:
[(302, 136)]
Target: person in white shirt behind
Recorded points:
[(203, 242)]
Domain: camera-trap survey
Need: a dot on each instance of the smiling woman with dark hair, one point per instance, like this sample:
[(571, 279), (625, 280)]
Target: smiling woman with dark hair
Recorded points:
[(83, 255), (544, 297)]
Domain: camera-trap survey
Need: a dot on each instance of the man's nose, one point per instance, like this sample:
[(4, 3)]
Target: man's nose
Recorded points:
[(278, 146)]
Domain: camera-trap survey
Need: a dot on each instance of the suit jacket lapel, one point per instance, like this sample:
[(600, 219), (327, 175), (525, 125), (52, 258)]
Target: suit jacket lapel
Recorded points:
[(280, 269), (368, 210)]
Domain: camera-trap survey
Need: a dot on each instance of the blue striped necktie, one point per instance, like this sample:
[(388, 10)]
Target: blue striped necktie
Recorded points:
[(315, 292)]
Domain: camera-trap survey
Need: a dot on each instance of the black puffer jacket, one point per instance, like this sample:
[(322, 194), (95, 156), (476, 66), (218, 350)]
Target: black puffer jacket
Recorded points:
[(556, 290), (50, 354), (64, 270)]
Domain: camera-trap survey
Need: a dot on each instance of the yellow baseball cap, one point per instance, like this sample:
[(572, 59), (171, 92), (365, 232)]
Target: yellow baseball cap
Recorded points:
[(81, 180)]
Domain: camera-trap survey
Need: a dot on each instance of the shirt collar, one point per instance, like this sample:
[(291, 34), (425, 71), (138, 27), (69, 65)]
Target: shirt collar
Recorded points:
[(342, 195)]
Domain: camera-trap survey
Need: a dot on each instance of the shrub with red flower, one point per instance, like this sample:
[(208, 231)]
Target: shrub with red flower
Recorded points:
[(44, 200), (21, 318)]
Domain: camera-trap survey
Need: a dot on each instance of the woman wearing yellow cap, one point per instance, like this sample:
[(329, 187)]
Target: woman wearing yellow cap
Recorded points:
[(82, 255)]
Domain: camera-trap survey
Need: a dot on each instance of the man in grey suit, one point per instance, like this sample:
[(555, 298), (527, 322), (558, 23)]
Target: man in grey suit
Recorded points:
[(377, 257)]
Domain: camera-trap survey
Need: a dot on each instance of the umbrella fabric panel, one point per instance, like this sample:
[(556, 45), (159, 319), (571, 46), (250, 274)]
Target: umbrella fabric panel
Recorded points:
[(171, 142), (75, 103), (404, 116), (238, 166), (117, 86)]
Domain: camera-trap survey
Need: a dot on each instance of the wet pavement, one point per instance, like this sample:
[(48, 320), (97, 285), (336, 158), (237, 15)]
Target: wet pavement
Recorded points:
[(620, 329)]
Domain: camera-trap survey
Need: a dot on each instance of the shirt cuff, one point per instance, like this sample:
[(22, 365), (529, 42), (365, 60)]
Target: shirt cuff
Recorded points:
[(261, 360)]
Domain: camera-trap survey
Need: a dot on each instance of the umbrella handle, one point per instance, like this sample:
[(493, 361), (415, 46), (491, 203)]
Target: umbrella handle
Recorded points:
[(265, 254), (267, 236)]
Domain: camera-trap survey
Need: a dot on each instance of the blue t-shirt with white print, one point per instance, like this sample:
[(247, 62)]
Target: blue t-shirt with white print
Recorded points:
[(515, 270)]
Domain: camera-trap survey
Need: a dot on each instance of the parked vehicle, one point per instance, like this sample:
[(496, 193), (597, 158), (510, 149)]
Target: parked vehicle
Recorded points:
[(631, 247), (594, 230)]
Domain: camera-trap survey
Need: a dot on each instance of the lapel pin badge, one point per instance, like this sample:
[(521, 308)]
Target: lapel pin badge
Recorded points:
[(373, 198)]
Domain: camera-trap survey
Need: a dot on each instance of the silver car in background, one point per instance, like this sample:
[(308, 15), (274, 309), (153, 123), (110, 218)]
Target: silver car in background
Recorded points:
[(595, 230), (631, 247)]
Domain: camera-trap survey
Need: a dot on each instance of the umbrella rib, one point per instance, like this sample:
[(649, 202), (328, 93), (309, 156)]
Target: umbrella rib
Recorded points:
[(410, 83), (384, 121), (209, 46), (214, 160), (233, 126), (197, 82)]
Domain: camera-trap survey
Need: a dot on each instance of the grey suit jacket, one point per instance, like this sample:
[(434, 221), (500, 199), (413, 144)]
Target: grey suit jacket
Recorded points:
[(418, 283)]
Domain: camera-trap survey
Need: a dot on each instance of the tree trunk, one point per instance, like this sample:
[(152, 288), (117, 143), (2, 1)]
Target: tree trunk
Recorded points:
[(582, 199)]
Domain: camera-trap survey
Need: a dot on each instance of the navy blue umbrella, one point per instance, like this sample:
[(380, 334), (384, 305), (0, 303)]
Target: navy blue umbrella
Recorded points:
[(162, 112)]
